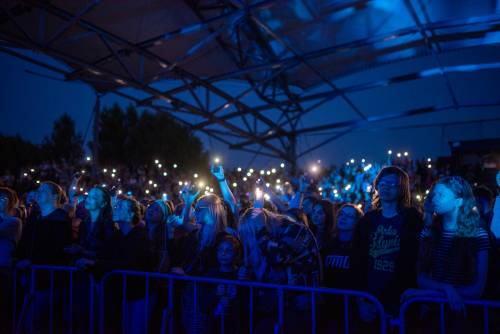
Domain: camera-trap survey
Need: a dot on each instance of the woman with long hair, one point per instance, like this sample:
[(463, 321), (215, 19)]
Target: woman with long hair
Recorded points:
[(196, 254), (96, 229), (272, 254), (453, 254), (337, 251), (323, 221)]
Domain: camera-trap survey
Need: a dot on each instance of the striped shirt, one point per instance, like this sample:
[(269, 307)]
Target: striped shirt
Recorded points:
[(450, 262)]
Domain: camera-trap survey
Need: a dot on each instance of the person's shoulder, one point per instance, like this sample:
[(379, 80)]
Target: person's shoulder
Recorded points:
[(369, 217), (58, 215), (12, 220)]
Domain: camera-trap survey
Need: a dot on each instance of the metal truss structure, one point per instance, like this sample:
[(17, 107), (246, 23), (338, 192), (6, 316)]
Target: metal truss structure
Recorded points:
[(287, 56)]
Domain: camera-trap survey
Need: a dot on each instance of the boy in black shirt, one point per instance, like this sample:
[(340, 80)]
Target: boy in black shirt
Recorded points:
[(385, 244)]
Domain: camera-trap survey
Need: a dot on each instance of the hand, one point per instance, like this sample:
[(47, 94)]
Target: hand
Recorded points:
[(74, 249), (367, 311), (84, 263), (244, 273), (413, 293), (454, 299), (258, 203), (177, 271), (189, 194), (217, 171), (23, 264)]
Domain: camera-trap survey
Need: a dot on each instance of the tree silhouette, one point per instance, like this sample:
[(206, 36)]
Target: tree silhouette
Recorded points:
[(64, 144), (132, 139), (17, 153)]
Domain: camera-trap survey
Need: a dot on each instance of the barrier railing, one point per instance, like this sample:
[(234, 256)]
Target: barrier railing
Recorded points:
[(97, 291), (486, 305), (281, 290), (24, 321)]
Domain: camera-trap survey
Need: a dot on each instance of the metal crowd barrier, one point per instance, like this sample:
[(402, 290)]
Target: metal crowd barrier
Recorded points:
[(281, 290), (486, 305), (23, 321)]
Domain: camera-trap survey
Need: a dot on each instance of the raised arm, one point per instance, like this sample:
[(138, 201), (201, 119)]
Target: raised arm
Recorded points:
[(189, 196), (227, 194)]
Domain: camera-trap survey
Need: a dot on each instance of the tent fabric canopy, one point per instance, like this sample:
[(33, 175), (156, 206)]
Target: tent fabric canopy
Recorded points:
[(289, 57)]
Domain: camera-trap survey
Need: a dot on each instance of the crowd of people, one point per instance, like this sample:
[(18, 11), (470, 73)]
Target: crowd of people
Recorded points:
[(358, 227)]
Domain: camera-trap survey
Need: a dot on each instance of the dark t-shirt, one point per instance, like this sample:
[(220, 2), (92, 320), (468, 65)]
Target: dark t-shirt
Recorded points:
[(337, 264), (383, 253)]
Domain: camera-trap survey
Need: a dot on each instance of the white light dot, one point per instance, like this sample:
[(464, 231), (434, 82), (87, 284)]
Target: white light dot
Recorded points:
[(429, 166), (278, 181), (235, 184), (156, 161), (389, 152), (262, 172), (399, 155), (89, 158), (165, 174), (245, 179), (352, 161), (273, 170), (155, 185), (114, 170), (147, 191), (239, 169), (175, 166), (406, 154), (159, 165), (195, 175), (250, 170), (104, 170), (150, 182), (268, 172), (282, 165)]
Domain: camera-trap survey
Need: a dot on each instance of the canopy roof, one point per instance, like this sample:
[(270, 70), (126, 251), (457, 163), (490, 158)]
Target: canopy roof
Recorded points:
[(253, 75)]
